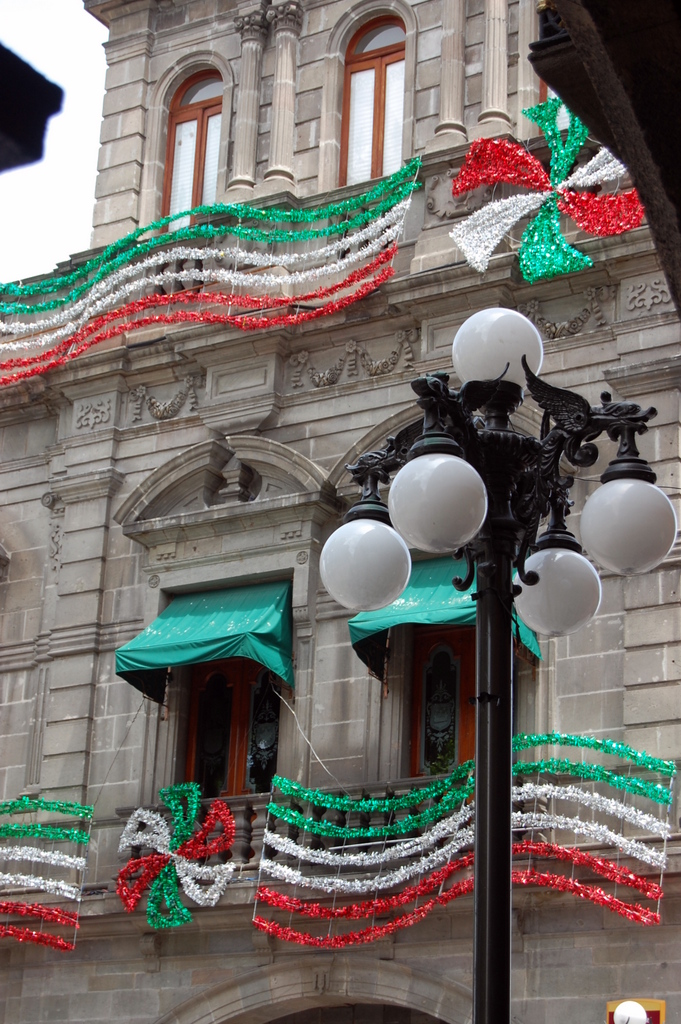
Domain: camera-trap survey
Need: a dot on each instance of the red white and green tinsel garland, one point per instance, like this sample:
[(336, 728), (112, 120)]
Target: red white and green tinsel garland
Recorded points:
[(544, 252), (374, 847), (391, 861), (236, 266), (51, 865)]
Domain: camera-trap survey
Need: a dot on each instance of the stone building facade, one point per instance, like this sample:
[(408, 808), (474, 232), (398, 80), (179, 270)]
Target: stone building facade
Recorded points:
[(189, 459)]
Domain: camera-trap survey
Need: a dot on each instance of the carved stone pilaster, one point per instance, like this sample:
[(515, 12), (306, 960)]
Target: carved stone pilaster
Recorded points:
[(450, 130), (287, 20), (495, 64), (253, 27)]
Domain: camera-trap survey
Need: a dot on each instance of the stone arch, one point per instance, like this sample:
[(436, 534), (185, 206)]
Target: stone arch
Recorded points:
[(160, 96), (372, 441), (332, 92), (278, 989), (191, 480), (527, 420), (195, 472), (281, 469)]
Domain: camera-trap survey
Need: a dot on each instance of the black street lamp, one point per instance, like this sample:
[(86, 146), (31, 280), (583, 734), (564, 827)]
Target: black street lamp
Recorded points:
[(474, 486)]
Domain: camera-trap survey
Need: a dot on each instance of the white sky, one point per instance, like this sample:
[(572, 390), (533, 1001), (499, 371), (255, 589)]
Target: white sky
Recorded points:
[(46, 208)]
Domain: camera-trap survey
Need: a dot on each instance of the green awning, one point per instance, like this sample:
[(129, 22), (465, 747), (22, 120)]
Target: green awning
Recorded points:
[(244, 622), (429, 599)]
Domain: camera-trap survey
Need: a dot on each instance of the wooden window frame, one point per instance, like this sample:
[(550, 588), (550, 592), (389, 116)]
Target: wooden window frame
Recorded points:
[(242, 675), (199, 112), (461, 640), (378, 60)]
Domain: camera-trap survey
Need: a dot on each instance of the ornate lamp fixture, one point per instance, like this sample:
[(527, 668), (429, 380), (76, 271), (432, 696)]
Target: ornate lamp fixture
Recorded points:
[(471, 485)]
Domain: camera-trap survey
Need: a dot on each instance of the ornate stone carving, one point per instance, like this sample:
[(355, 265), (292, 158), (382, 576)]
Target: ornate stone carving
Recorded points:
[(254, 24), (56, 539), (286, 16), (644, 295), (56, 530), (554, 329), (91, 414), (347, 362), (442, 204), (166, 410), (154, 580)]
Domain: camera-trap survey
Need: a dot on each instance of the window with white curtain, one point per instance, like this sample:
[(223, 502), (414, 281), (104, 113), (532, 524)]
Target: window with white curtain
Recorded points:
[(193, 145), (373, 102)]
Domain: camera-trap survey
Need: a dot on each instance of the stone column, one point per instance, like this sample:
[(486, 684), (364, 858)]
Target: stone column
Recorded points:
[(494, 114), (450, 130), (287, 20), (253, 29), (528, 83)]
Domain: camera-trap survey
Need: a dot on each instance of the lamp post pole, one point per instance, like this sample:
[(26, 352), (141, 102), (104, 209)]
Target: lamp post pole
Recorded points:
[(474, 486)]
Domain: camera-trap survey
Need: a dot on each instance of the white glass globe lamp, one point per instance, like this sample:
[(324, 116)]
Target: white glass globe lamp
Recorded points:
[(365, 565), (630, 1012), (490, 339), (567, 595), (437, 502), (628, 526)]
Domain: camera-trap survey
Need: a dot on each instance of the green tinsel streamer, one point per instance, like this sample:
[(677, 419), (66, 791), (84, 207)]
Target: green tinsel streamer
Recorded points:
[(174, 798), (369, 804), (24, 804), (543, 252), (164, 889), (408, 824), (563, 154), (206, 231), (596, 773), (525, 741), (116, 254), (73, 835)]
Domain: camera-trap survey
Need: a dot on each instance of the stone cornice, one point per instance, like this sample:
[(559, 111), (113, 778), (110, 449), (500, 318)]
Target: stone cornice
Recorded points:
[(100, 483), (658, 375)]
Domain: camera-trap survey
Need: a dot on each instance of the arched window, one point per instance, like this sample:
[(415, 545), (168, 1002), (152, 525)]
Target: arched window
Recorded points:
[(373, 102), (233, 732), (193, 144)]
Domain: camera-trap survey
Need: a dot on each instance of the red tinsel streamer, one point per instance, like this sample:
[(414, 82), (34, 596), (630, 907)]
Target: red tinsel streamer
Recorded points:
[(244, 323), (632, 911), (366, 934), (207, 298), (11, 931), (149, 866), (53, 915), (602, 215), (368, 907), (605, 868), (491, 161), (199, 846)]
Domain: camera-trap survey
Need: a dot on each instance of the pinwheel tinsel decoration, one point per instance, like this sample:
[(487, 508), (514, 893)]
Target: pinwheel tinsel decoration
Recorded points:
[(179, 857), (544, 252)]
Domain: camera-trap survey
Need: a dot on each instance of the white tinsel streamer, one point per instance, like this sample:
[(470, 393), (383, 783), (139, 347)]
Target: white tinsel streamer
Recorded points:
[(191, 874), (104, 296), (355, 886), (400, 850), (602, 167), (33, 853), (478, 236), (57, 888), (154, 832), (592, 830), (547, 791)]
